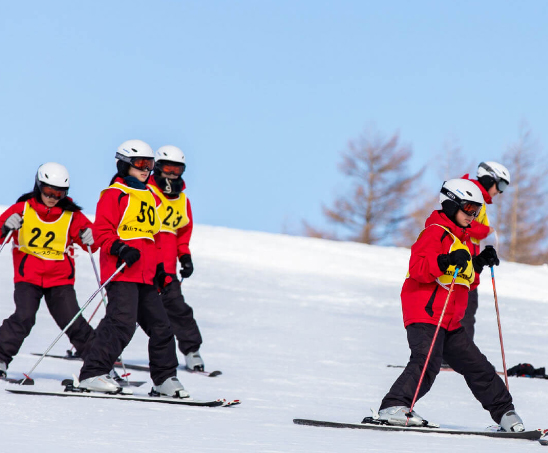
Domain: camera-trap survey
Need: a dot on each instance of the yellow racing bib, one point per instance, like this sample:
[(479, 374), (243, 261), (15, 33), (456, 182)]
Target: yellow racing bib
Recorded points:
[(140, 219), (172, 211), (464, 277), (46, 240)]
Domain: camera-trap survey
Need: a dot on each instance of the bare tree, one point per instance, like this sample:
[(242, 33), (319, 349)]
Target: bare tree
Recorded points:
[(522, 216), (429, 197), (380, 189)]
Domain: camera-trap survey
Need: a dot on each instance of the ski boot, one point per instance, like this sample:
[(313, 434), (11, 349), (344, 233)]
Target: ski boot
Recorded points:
[(104, 384), (398, 415), (170, 387), (3, 370), (194, 361), (511, 422)]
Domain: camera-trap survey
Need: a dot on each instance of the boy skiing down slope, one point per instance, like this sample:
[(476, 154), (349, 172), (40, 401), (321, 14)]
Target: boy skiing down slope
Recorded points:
[(441, 248)]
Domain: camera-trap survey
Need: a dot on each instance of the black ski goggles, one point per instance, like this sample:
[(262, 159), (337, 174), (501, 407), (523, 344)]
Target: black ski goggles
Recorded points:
[(170, 168), (501, 185), (470, 208), (53, 192), (142, 163)]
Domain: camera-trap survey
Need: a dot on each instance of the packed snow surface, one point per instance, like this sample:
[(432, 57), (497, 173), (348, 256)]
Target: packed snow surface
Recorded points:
[(301, 328)]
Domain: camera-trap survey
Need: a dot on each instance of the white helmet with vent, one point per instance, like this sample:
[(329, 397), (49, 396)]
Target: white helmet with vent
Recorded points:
[(53, 174), (170, 153), (134, 148), (490, 173), (460, 194)]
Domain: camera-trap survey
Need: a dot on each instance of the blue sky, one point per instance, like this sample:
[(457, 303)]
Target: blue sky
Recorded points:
[(262, 95)]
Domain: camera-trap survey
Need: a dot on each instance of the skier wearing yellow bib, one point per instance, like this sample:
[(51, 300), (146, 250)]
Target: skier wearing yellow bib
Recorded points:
[(45, 224), (439, 250), (126, 228), (167, 183)]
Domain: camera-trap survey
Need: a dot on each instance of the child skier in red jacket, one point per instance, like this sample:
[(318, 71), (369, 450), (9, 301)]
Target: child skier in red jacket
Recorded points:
[(439, 250), (176, 229), (45, 224), (493, 179), (126, 228)]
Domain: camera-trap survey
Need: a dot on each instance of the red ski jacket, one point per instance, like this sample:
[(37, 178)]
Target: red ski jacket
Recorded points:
[(46, 273), (108, 216), (422, 296), (175, 245)]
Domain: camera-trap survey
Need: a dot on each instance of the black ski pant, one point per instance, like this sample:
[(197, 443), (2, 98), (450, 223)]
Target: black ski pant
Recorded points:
[(181, 317), (469, 319), (130, 303), (62, 305), (462, 355)]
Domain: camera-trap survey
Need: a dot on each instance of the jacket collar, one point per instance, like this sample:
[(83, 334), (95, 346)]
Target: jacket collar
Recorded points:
[(439, 218)]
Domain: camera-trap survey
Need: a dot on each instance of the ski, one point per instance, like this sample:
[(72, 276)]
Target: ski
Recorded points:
[(526, 435), (501, 373), (131, 366), (120, 396)]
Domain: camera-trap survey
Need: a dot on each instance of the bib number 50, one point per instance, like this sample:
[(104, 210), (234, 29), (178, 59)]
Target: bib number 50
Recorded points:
[(147, 211)]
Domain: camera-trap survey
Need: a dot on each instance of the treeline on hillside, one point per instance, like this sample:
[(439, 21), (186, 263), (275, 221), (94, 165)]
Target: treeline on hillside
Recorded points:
[(386, 204)]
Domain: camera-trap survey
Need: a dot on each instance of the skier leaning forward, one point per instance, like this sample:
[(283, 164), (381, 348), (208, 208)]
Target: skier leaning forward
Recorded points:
[(126, 228), (440, 248), (45, 224)]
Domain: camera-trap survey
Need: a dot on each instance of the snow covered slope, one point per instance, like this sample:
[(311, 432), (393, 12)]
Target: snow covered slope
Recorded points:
[(301, 328)]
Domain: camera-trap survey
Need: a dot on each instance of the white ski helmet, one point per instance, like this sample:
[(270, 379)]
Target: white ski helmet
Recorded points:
[(171, 153), (53, 174), (461, 194), (498, 173), (134, 148)]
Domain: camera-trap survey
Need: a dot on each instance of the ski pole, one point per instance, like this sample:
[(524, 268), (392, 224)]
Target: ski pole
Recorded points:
[(500, 330), (6, 240), (97, 291), (432, 345), (104, 300)]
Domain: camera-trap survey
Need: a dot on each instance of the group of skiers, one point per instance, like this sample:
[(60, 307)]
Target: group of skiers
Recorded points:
[(142, 227), (439, 302)]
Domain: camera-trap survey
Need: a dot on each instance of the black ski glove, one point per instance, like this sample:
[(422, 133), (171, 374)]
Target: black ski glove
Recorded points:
[(186, 266), (162, 278), (457, 258), (487, 257), (129, 255)]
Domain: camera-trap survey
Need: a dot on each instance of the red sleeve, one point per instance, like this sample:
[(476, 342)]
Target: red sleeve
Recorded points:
[(423, 264), (16, 208), (478, 230), (184, 234), (108, 215), (80, 222)]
